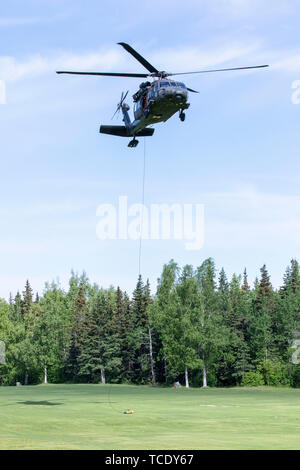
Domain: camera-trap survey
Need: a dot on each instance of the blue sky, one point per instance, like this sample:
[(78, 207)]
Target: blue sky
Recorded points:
[(237, 151)]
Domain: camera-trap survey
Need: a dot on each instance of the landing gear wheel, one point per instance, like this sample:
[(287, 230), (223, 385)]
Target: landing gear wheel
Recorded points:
[(182, 116), (133, 142)]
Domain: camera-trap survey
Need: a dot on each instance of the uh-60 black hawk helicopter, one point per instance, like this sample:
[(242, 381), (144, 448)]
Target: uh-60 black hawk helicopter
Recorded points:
[(154, 102)]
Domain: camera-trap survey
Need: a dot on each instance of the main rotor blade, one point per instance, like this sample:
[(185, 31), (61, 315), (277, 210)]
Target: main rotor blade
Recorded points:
[(219, 70), (138, 57), (134, 75)]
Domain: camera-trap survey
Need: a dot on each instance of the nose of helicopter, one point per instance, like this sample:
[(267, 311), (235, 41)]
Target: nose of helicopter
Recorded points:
[(179, 95), (175, 92)]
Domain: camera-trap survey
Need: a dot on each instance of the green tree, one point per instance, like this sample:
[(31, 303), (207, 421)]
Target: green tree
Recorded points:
[(26, 303), (245, 286), (139, 336), (17, 306), (235, 358), (261, 319), (213, 331), (99, 344), (78, 312), (51, 333)]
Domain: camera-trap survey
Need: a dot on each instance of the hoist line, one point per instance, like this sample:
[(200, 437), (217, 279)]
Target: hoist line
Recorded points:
[(140, 252), (143, 201)]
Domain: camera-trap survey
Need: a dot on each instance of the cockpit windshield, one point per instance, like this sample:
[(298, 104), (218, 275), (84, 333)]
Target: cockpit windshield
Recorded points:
[(163, 84)]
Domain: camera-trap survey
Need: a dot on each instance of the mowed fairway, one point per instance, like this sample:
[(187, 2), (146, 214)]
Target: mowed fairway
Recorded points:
[(91, 417)]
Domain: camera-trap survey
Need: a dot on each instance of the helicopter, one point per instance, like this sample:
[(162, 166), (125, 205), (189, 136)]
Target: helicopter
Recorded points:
[(154, 101)]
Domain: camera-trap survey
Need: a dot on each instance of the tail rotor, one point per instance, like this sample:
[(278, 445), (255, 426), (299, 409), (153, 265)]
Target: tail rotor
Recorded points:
[(120, 104)]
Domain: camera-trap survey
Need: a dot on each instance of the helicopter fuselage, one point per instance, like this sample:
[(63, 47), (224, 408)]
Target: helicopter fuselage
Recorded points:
[(157, 102), (153, 102)]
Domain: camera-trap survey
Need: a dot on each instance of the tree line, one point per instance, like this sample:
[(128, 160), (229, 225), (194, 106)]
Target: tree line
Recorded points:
[(199, 328)]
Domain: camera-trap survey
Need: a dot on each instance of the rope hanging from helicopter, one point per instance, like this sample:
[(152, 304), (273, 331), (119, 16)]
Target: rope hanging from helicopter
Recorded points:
[(142, 211), (139, 261)]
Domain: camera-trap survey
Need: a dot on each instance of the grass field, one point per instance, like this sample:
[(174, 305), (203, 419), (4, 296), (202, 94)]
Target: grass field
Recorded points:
[(91, 417)]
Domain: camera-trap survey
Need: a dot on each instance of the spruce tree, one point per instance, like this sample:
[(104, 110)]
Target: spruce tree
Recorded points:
[(262, 319), (99, 357), (128, 343), (287, 314), (140, 335), (78, 313), (17, 307), (27, 299), (245, 286), (291, 280), (235, 359), (223, 283)]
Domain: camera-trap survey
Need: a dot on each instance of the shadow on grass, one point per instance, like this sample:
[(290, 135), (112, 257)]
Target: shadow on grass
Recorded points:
[(43, 403)]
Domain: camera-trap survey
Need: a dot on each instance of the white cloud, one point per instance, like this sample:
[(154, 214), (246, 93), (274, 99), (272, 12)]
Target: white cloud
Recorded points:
[(289, 63), (183, 59), (13, 69), (248, 8), (192, 58)]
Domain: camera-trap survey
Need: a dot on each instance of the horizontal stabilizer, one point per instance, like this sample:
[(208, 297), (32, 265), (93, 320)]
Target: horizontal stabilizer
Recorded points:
[(122, 131), (145, 132)]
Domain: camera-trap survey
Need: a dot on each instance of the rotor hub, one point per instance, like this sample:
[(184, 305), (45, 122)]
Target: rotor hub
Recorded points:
[(162, 74)]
